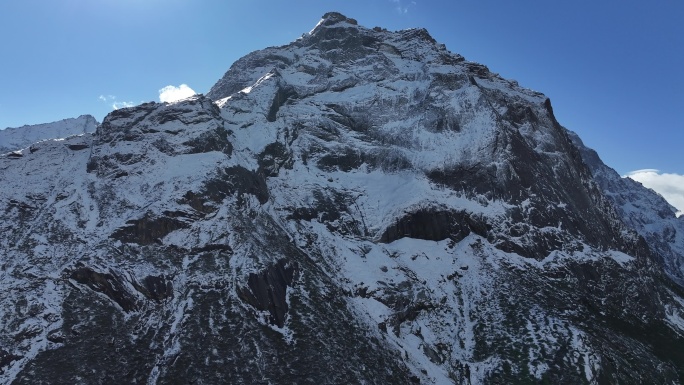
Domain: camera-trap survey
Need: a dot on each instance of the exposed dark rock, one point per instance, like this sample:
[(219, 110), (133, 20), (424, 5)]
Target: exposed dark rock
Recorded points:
[(123, 124), (200, 202), (156, 288), (215, 140), (332, 208), (163, 146), (353, 121), (97, 347), (345, 160), (150, 229), (267, 290), (111, 164), (6, 358), (21, 205), (109, 284), (56, 338), (77, 147), (435, 225), (274, 157), (519, 114), (478, 70), (332, 18), (283, 93), (235, 180)]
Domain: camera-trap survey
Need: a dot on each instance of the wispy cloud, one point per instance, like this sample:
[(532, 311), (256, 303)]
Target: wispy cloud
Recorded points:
[(402, 6), (670, 186), (172, 94), (114, 103), (117, 105)]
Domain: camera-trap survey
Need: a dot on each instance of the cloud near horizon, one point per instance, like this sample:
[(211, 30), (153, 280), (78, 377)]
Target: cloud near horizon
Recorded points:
[(670, 186), (115, 105), (170, 94)]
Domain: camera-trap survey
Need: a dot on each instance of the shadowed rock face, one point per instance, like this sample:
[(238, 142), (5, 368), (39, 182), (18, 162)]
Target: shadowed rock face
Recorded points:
[(274, 157), (156, 288), (108, 284), (6, 359), (267, 290), (216, 140), (235, 181), (148, 229), (434, 225), (243, 181), (359, 206)]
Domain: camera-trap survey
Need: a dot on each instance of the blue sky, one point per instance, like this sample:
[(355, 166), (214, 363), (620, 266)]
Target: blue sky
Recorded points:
[(613, 69)]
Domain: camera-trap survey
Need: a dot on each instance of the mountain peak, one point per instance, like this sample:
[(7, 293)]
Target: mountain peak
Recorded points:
[(359, 199), (331, 18), (15, 138)]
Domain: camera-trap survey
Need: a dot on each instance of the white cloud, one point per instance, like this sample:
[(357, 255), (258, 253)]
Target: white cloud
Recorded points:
[(401, 6), (117, 105), (172, 94), (670, 186)]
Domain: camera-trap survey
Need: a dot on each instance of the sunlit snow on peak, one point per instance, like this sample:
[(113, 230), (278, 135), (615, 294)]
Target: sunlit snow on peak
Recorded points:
[(317, 25), (249, 89)]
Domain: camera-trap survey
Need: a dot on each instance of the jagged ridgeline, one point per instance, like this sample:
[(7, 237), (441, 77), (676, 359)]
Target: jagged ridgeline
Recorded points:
[(359, 206)]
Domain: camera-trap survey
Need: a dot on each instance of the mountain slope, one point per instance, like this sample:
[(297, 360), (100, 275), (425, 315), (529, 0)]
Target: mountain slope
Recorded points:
[(16, 138), (358, 206), (643, 210)]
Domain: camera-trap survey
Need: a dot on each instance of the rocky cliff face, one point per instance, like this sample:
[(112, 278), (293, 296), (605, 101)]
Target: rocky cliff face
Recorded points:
[(359, 206)]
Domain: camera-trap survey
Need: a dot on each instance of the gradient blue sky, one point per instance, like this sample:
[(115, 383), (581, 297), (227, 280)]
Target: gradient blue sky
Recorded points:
[(613, 69)]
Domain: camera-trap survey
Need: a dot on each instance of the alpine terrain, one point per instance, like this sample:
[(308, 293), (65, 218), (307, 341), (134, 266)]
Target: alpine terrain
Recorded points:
[(359, 206), (21, 137)]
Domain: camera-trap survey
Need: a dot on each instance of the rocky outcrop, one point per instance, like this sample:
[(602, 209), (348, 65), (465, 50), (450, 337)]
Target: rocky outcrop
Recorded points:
[(156, 288), (6, 359), (434, 225), (150, 229), (216, 140), (109, 284), (274, 157), (267, 290)]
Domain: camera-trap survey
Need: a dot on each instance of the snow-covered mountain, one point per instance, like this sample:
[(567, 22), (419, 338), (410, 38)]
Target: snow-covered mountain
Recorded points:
[(16, 138), (358, 206), (643, 210)]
